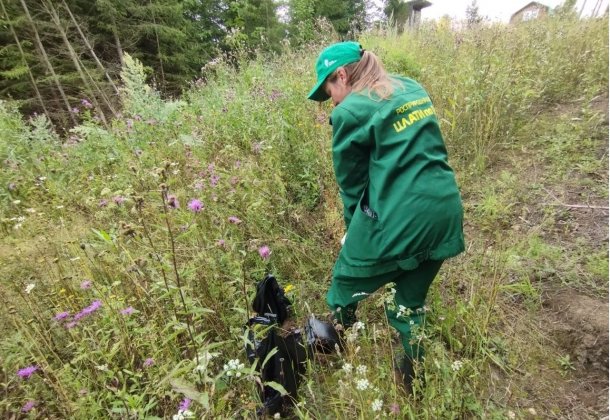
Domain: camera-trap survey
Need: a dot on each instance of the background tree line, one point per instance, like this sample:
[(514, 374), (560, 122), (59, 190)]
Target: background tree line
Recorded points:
[(63, 57)]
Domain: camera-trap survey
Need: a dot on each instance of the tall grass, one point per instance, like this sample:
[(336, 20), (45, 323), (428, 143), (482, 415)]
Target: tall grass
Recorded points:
[(156, 292)]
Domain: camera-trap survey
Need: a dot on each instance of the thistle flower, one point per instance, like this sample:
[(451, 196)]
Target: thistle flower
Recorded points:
[(221, 243), (103, 203), (183, 411), (86, 284), (27, 371), (149, 362), (395, 408), (264, 252), (185, 404), (86, 104), (195, 205), (118, 199), (214, 180), (74, 110), (127, 311), (173, 202), (28, 406), (234, 219)]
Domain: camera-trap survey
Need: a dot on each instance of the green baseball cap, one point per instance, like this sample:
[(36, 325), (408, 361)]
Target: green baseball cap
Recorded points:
[(330, 59)]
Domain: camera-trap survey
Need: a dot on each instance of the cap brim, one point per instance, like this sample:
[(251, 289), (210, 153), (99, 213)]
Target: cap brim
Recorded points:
[(317, 93)]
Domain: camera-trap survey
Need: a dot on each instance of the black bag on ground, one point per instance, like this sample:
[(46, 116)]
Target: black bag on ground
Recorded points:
[(265, 334)]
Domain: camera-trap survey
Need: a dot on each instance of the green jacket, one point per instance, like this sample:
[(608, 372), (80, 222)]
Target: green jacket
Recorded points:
[(401, 202)]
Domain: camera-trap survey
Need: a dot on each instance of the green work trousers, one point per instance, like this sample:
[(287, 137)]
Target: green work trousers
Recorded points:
[(406, 314)]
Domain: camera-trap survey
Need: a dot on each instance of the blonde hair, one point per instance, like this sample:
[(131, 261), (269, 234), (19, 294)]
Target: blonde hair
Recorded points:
[(369, 74)]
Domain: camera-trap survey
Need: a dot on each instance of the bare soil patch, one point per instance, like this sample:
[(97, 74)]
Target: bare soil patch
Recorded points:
[(578, 325)]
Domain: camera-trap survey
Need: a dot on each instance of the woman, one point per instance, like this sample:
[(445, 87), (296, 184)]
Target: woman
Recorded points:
[(402, 207)]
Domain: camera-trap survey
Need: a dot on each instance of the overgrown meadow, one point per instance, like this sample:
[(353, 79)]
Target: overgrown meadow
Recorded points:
[(130, 255)]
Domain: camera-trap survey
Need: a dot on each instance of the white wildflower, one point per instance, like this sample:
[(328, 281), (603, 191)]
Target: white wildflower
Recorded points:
[(457, 365), (29, 288), (376, 405), (232, 368), (183, 414), (347, 367), (402, 309), (362, 384), (103, 368), (361, 369), (277, 416), (358, 325)]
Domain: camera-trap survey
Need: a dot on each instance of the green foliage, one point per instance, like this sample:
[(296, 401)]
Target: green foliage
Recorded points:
[(101, 213)]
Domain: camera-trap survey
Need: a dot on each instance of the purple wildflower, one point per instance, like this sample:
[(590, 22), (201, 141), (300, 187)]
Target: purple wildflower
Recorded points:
[(86, 284), (234, 219), (27, 371), (173, 202), (185, 404), (264, 252), (95, 305), (127, 311), (118, 199), (28, 406), (74, 110), (71, 324), (103, 203), (214, 180), (195, 205), (86, 104), (198, 186), (221, 243), (149, 362), (394, 408), (61, 315)]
